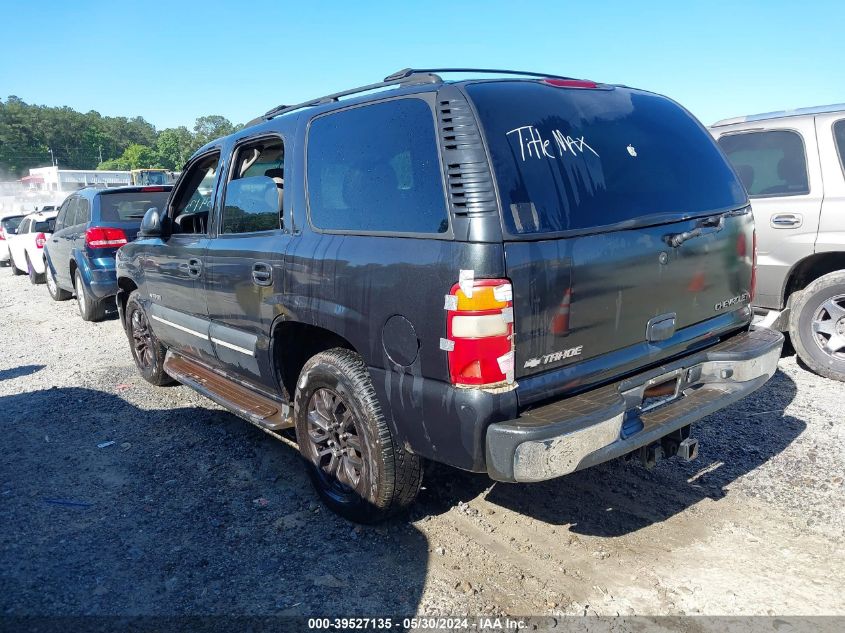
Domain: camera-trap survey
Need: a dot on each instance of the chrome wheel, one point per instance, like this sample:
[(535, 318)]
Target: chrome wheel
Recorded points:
[(142, 339), (829, 327), (335, 444)]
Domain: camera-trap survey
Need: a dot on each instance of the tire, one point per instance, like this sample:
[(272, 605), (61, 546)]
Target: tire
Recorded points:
[(34, 277), (90, 308), (817, 325), (56, 293), (15, 271), (147, 352), (371, 476)]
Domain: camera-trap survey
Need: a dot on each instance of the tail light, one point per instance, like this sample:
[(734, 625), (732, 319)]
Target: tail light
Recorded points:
[(2, 233), (479, 333), (104, 237), (40, 240), (753, 288), (153, 189), (570, 83)]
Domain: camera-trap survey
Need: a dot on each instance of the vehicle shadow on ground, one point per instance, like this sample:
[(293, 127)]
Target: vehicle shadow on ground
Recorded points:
[(17, 372), (621, 497), (108, 507)]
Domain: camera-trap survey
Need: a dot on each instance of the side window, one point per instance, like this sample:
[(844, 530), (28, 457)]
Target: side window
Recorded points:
[(839, 139), (83, 212), (376, 168), (23, 227), (771, 163), (60, 219), (72, 209), (256, 188), (193, 200)]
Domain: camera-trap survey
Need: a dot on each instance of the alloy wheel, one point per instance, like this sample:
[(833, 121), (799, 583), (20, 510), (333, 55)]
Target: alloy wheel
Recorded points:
[(335, 444), (142, 339), (829, 327)]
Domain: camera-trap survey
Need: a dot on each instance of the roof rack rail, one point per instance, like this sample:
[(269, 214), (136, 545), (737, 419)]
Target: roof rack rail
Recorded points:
[(408, 78), (408, 72)]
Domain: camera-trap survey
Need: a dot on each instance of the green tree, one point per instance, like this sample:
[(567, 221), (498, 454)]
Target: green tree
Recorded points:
[(175, 146), (208, 128)]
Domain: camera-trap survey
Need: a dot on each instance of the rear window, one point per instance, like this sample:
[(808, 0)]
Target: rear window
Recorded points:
[(11, 224), (125, 207), (376, 168), (770, 163), (572, 159)]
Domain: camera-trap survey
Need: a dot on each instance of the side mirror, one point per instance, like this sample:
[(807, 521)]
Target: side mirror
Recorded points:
[(151, 224)]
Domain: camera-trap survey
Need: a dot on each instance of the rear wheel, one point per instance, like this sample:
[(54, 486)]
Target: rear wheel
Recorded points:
[(147, 352), (15, 270), (358, 468), (34, 277), (56, 293), (817, 326), (90, 309)]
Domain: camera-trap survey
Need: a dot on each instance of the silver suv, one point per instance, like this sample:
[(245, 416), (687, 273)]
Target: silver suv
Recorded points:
[(792, 164)]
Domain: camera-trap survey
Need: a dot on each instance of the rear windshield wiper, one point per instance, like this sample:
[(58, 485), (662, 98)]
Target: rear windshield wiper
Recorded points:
[(714, 222)]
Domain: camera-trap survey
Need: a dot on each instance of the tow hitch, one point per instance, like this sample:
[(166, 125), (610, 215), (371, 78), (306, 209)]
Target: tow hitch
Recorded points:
[(678, 443)]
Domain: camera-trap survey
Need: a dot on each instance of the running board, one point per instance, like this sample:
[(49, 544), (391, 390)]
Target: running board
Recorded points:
[(240, 400)]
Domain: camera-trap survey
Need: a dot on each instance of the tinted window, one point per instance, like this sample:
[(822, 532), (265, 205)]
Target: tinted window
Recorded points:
[(123, 207), (570, 159), (255, 192), (768, 163), (376, 168), (252, 204), (839, 138), (60, 219), (45, 226), (23, 227), (83, 213), (10, 225)]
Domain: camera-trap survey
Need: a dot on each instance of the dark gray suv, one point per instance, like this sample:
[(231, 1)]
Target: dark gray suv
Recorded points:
[(517, 274)]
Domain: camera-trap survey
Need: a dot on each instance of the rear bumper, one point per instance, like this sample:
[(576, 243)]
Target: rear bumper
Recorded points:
[(100, 276), (599, 425)]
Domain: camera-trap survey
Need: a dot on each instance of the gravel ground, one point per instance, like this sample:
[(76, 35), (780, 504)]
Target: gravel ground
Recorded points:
[(189, 510)]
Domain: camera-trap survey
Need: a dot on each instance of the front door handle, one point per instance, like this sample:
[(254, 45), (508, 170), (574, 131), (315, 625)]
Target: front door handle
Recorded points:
[(262, 274), (194, 267), (786, 220)]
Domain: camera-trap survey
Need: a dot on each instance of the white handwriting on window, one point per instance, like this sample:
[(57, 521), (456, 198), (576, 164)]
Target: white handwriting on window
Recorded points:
[(533, 145)]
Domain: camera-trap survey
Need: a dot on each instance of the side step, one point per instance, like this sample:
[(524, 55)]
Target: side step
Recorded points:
[(240, 400)]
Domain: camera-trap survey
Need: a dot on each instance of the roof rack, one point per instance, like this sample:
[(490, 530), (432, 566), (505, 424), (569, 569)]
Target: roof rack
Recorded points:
[(406, 76), (406, 79), (408, 72)]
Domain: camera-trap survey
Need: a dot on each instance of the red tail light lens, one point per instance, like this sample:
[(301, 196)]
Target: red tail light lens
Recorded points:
[(105, 237), (152, 189), (40, 240), (479, 333)]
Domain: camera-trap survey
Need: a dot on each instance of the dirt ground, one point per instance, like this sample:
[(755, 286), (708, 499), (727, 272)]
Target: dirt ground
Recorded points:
[(189, 510)]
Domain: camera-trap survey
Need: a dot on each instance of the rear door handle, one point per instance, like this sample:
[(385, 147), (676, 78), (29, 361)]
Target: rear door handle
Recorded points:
[(194, 267), (786, 220), (262, 274)]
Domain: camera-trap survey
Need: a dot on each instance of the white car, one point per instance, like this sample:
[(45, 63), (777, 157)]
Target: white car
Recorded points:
[(26, 246), (9, 221)]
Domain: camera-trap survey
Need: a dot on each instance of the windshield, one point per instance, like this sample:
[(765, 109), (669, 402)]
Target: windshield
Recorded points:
[(120, 207), (571, 159)]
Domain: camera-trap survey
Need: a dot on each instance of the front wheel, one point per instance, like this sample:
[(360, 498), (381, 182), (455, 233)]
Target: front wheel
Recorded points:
[(817, 325), (147, 352), (358, 468)]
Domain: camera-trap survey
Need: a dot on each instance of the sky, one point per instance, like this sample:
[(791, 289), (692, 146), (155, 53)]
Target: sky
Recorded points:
[(171, 62)]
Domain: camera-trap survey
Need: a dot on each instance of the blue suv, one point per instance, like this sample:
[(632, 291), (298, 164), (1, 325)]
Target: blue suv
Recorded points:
[(92, 224)]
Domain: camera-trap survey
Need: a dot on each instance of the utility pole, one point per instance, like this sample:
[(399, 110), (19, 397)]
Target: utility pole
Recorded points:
[(101, 153), (52, 157)]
